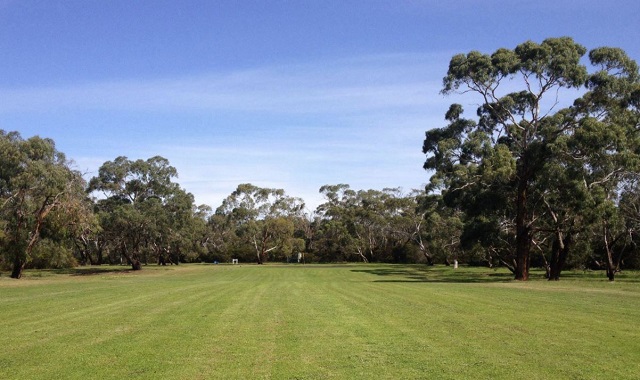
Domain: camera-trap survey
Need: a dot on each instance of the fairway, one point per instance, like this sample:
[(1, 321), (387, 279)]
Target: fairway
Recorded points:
[(317, 322)]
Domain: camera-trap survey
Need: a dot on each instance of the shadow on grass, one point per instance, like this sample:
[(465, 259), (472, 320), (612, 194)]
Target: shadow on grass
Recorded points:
[(89, 271), (632, 276), (443, 274), (437, 274)]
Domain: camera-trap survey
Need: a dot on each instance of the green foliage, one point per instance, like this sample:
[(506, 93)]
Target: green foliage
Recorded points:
[(262, 218), (367, 225), (36, 182), (532, 174), (145, 215), (49, 254)]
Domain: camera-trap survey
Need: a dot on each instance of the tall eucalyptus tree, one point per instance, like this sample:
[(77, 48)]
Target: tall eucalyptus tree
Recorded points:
[(499, 167)]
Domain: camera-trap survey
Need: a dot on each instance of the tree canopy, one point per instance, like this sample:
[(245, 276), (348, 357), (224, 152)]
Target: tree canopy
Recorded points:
[(36, 181), (526, 167)]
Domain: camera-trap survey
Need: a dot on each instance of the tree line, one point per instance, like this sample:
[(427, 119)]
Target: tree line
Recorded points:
[(526, 182), (133, 212)]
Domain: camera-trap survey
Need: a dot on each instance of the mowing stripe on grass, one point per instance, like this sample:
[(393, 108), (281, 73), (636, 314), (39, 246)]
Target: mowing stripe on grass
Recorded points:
[(316, 322)]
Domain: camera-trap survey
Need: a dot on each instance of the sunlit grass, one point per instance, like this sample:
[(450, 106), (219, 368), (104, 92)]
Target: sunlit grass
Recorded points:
[(317, 322)]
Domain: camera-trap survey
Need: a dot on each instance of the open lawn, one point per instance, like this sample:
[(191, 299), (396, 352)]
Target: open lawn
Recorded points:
[(317, 322)]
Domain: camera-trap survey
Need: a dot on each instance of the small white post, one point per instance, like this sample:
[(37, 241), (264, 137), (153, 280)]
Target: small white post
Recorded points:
[(455, 264)]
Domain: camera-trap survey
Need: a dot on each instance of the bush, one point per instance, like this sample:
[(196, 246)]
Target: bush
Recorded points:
[(48, 254)]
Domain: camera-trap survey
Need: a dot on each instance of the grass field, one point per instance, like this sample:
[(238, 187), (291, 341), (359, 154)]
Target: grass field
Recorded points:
[(317, 322)]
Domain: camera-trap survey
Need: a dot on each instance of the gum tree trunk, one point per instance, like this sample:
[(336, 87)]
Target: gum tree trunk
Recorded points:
[(523, 235), (560, 252), (18, 267)]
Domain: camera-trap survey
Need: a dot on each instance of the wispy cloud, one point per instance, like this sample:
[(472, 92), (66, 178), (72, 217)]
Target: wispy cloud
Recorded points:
[(338, 86), (297, 127)]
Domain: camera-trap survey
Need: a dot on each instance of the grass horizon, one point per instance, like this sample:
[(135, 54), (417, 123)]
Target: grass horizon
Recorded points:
[(314, 321)]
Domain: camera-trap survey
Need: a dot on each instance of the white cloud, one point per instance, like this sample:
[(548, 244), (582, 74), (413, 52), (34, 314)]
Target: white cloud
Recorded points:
[(359, 121), (344, 86)]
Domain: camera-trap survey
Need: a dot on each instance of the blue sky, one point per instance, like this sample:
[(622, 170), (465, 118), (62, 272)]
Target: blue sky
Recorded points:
[(287, 94)]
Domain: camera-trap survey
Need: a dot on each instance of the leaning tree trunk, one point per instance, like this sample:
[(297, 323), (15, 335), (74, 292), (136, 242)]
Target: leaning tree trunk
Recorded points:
[(260, 250), (429, 258), (18, 267), (362, 255), (20, 258), (609, 241), (132, 260), (612, 268)]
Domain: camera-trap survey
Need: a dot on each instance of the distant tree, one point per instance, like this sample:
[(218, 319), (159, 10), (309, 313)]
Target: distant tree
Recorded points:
[(85, 232), (629, 211), (437, 229), (143, 213), (368, 224), (352, 217), (220, 238), (263, 218), (333, 240), (373, 225)]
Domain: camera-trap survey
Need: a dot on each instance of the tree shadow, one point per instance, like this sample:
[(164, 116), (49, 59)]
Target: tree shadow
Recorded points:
[(436, 275), (89, 271), (631, 276)]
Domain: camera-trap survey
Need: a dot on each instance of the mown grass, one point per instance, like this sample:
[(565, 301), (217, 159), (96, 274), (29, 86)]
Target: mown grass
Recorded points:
[(317, 322)]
